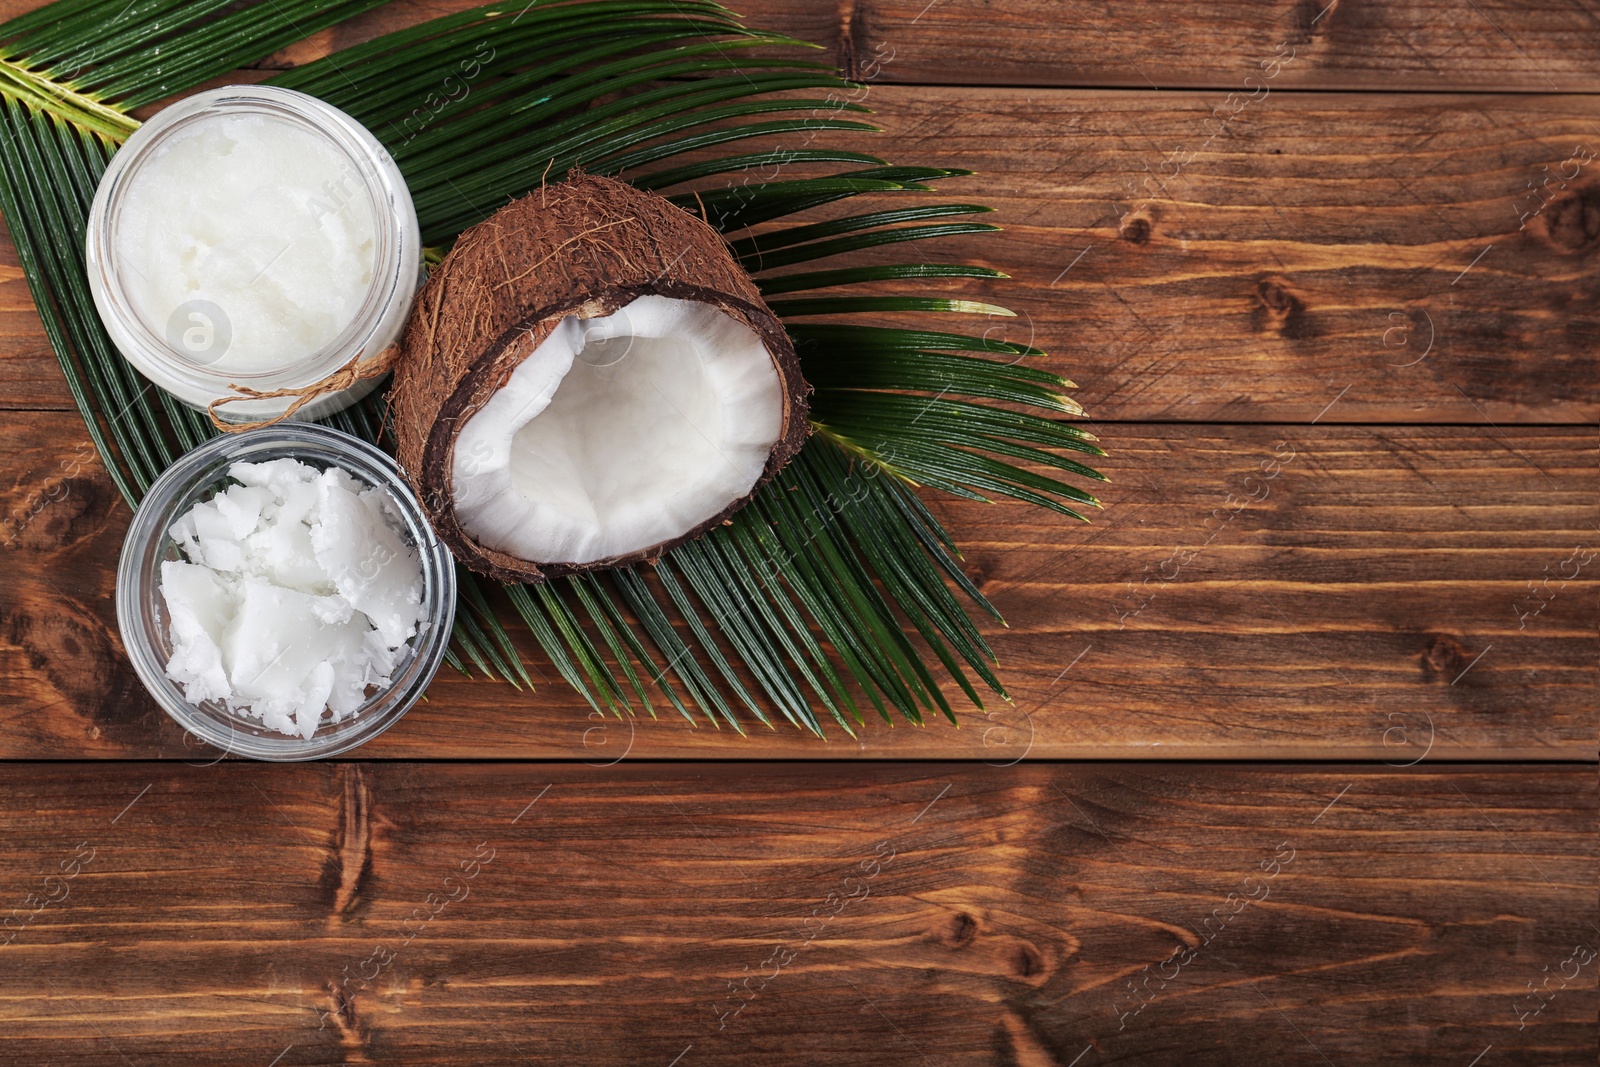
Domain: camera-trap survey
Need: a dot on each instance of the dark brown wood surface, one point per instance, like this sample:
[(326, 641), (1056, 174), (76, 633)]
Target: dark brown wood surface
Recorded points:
[(1534, 46), (1355, 277), (1416, 45), (495, 913)]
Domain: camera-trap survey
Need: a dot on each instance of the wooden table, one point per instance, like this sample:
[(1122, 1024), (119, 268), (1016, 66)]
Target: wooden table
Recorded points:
[(1313, 782)]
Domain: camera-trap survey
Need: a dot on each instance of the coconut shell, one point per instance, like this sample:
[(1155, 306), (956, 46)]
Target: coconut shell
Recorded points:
[(586, 247)]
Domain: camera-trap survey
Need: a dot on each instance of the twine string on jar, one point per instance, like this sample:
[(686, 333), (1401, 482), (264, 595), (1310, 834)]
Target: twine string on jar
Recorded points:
[(356, 371)]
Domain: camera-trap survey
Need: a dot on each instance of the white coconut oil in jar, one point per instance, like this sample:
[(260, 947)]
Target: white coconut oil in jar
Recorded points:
[(252, 236)]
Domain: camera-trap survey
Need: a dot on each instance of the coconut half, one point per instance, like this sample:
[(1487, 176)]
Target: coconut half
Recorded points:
[(588, 379)]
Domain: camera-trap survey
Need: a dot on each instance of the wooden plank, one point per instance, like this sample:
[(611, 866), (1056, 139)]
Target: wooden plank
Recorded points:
[(1249, 592), (1406, 46), (451, 914), (1409, 45), (1371, 248)]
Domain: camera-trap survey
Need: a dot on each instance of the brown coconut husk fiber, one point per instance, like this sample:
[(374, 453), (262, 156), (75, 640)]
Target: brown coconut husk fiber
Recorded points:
[(585, 247)]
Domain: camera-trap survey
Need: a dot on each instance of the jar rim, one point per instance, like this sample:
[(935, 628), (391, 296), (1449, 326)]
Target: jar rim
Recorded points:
[(394, 230)]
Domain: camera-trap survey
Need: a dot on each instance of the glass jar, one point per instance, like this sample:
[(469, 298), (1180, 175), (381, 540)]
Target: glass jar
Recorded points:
[(181, 353), (142, 612)]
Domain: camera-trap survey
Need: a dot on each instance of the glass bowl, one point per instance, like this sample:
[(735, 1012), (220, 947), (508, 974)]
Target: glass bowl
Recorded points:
[(142, 613)]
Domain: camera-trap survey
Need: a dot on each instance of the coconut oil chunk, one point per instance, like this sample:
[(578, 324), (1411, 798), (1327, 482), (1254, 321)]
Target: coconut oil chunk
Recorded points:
[(295, 598)]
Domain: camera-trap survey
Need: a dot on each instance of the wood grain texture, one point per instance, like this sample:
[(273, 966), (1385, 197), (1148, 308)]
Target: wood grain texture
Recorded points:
[(29, 374), (1249, 592), (1323, 241), (1409, 45), (1391, 245), (426, 914)]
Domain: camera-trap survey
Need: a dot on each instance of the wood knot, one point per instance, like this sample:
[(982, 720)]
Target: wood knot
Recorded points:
[(1275, 296), (1572, 220), (960, 930), (341, 1012), (56, 513), (1280, 310), (1311, 17), (349, 863), (75, 656), (1026, 961), (1135, 228), (1444, 658), (854, 43)]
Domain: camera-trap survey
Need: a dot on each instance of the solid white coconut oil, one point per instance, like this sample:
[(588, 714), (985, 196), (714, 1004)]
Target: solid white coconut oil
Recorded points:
[(248, 241), (295, 597)]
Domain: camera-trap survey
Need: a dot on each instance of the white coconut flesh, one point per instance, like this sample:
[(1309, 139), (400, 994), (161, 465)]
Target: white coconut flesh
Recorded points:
[(619, 433)]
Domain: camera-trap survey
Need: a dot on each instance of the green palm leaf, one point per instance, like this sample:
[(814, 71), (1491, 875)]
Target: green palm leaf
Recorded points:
[(837, 588)]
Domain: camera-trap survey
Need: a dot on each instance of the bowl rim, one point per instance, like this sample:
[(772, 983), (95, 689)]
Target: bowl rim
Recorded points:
[(180, 487)]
